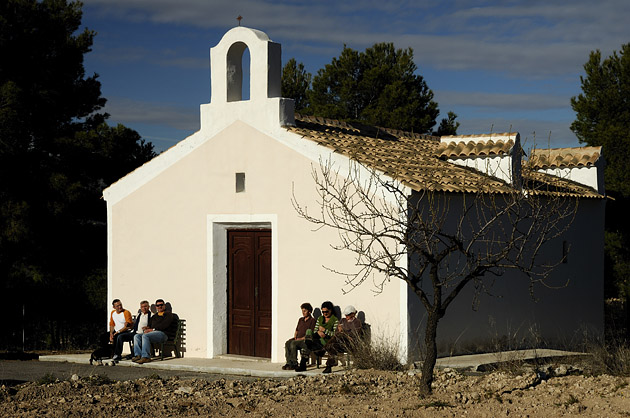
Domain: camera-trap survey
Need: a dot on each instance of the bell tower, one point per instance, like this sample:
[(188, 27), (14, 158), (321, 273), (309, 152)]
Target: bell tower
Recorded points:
[(265, 106)]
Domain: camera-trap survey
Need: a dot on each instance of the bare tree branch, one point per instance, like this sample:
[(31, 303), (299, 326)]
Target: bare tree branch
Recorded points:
[(437, 242)]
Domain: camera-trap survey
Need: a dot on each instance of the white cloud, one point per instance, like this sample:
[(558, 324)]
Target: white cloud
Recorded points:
[(501, 101), (534, 132), (533, 39), (522, 38), (127, 111), (126, 54)]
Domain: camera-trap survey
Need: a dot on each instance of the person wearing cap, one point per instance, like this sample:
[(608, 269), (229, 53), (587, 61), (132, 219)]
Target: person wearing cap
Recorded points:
[(345, 339), (305, 324)]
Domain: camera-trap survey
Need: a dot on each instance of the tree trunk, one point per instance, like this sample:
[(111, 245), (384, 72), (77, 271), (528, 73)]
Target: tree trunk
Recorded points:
[(430, 347)]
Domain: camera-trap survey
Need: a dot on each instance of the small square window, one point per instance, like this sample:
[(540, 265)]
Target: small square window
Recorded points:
[(240, 182)]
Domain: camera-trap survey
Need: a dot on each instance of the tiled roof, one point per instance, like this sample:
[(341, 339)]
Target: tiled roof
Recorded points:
[(408, 157), (564, 157), (464, 146), (538, 183)]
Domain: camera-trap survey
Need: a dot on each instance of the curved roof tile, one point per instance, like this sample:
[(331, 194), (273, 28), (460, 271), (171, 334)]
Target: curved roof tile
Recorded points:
[(564, 157), (414, 159), (464, 149)]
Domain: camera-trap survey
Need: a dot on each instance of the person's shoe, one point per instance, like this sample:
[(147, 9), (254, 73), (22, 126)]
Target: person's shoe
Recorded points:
[(144, 360), (135, 358), (116, 358), (327, 370), (288, 367)]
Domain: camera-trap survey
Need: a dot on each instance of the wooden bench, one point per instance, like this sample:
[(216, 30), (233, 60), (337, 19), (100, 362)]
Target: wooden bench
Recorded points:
[(176, 343)]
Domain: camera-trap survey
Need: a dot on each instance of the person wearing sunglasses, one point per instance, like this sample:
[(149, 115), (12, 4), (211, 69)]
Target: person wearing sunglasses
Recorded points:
[(324, 330), (158, 331)]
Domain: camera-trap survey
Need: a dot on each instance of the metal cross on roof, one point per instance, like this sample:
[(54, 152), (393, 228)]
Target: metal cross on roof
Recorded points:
[(239, 19)]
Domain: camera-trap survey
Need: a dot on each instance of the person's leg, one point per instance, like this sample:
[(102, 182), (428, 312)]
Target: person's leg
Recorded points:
[(300, 346), (314, 345), (286, 350), (293, 349), (306, 347), (332, 347), (148, 339), (119, 342), (146, 346), (290, 355), (137, 345)]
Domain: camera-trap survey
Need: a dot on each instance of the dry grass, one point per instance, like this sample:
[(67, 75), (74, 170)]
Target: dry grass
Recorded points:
[(612, 358), (381, 354)]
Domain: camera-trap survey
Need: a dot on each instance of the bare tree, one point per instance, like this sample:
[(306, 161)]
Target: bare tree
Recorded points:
[(449, 240)]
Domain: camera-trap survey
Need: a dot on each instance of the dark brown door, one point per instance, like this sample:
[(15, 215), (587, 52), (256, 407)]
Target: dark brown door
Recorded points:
[(249, 292)]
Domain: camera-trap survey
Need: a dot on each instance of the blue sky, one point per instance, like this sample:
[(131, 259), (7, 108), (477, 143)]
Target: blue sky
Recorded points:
[(500, 65)]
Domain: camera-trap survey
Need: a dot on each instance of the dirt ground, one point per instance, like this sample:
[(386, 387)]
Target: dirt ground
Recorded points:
[(367, 393)]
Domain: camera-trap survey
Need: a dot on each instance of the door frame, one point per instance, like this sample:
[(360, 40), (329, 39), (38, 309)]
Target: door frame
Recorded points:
[(217, 277)]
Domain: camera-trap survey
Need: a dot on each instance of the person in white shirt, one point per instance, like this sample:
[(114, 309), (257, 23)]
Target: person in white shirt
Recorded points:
[(139, 325)]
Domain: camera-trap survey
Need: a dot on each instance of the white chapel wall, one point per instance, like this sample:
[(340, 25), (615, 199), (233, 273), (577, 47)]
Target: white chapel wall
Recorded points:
[(160, 237)]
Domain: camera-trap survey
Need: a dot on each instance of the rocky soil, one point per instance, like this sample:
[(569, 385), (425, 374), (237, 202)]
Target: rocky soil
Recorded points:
[(367, 393)]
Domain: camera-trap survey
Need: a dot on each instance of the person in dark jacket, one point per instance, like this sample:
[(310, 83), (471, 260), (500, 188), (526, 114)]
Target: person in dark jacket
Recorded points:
[(139, 325), (159, 330)]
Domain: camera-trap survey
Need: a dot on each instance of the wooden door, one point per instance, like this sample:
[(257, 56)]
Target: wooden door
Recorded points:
[(249, 292)]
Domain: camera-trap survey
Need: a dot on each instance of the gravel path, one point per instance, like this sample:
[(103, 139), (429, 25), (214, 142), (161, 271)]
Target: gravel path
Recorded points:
[(548, 393), (15, 372)]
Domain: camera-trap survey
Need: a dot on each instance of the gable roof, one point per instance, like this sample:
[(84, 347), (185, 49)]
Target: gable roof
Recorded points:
[(419, 161), (564, 157), (405, 156)]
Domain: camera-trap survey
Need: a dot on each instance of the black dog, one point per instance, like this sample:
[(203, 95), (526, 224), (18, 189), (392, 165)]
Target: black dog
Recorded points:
[(105, 351), (101, 353)]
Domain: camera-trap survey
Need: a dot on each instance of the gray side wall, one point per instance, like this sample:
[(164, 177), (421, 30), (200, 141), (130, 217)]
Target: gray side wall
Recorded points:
[(510, 318)]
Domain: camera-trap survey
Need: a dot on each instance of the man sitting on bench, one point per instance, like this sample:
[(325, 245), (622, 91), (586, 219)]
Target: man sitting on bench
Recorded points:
[(159, 330), (305, 324)]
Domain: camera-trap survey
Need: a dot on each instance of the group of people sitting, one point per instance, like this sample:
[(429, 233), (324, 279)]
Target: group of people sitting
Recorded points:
[(148, 328), (325, 335)]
